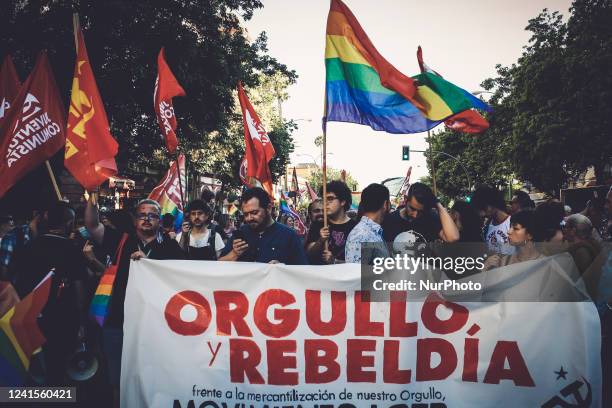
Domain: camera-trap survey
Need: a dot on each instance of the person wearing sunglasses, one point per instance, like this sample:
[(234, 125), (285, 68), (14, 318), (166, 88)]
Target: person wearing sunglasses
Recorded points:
[(423, 217), (147, 241)]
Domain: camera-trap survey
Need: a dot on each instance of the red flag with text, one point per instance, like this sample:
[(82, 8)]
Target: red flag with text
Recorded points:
[(90, 147), (9, 87), (259, 150), (166, 88), (34, 129)]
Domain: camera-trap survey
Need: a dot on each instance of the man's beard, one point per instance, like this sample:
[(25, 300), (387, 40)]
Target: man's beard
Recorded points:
[(255, 225), (149, 232)]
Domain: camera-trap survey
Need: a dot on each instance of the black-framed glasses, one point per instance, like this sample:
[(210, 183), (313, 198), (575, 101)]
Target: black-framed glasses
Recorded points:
[(147, 216)]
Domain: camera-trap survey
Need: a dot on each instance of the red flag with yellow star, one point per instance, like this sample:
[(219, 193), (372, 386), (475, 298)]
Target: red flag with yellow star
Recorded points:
[(90, 148)]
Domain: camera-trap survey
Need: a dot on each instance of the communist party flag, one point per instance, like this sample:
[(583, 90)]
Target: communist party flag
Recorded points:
[(9, 86), (166, 88), (90, 148), (34, 129), (259, 149)]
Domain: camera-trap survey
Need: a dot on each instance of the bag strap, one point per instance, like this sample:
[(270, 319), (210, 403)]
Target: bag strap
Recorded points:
[(120, 247), (212, 236)]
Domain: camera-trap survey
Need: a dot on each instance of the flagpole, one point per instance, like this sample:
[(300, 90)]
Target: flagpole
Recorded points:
[(75, 25), (324, 165), (433, 165), (53, 180), (178, 170)]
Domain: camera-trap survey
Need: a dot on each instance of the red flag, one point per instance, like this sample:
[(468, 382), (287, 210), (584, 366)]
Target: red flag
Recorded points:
[(259, 149), (422, 65), (9, 87), (311, 192), (166, 88), (243, 173), (34, 128), (469, 121), (168, 191), (90, 148)]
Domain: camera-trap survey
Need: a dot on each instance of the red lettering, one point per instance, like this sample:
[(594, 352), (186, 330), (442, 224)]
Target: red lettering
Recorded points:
[(278, 362), (173, 309), (391, 372), (363, 325), (458, 318), (241, 364), (289, 318), (313, 360), (398, 327), (336, 323), (470, 360), (517, 369), (448, 359), (226, 316), (356, 361)]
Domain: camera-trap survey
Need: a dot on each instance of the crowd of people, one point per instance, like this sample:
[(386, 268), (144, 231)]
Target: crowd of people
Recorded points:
[(80, 246)]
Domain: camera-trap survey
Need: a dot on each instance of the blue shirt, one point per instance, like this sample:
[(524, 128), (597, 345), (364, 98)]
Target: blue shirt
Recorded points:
[(276, 243), (367, 231)]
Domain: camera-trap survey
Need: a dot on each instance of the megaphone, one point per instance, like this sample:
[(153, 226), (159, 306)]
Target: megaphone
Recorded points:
[(82, 365)]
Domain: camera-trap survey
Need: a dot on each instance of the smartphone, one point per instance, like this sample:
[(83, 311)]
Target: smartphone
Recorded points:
[(84, 233), (239, 235)]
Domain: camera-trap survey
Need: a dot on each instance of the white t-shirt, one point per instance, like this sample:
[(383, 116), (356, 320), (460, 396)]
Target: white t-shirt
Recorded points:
[(497, 238), (202, 241)]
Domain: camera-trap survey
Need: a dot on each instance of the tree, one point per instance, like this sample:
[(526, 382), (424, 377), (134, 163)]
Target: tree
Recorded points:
[(553, 107), (484, 157), (206, 47), (316, 179)]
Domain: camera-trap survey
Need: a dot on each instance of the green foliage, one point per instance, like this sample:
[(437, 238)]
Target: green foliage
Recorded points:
[(551, 115), (552, 105), (316, 179), (206, 47)]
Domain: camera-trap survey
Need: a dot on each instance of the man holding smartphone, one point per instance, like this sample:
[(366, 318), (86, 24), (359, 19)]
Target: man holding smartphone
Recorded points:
[(261, 239)]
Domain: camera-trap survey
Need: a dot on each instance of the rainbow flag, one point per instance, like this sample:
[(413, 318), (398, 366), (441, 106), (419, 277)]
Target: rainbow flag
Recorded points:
[(20, 336), (284, 208), (98, 308), (232, 209), (168, 192), (362, 87)]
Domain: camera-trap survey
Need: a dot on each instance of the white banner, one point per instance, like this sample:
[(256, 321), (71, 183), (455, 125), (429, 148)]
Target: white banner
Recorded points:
[(224, 334)]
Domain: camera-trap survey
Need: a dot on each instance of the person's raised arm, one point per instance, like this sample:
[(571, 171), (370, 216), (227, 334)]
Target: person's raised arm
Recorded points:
[(449, 232), (92, 220)]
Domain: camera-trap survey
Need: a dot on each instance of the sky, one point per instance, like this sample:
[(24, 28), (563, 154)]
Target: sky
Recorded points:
[(463, 40)]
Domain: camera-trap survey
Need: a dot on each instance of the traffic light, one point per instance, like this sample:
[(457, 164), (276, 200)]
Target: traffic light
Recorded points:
[(405, 152)]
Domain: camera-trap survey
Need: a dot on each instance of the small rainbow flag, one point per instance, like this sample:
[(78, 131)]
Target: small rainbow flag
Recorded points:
[(98, 309), (168, 192), (232, 209), (20, 335), (284, 208)]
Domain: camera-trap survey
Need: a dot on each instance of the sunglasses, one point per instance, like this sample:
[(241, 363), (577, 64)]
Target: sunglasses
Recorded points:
[(147, 216)]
